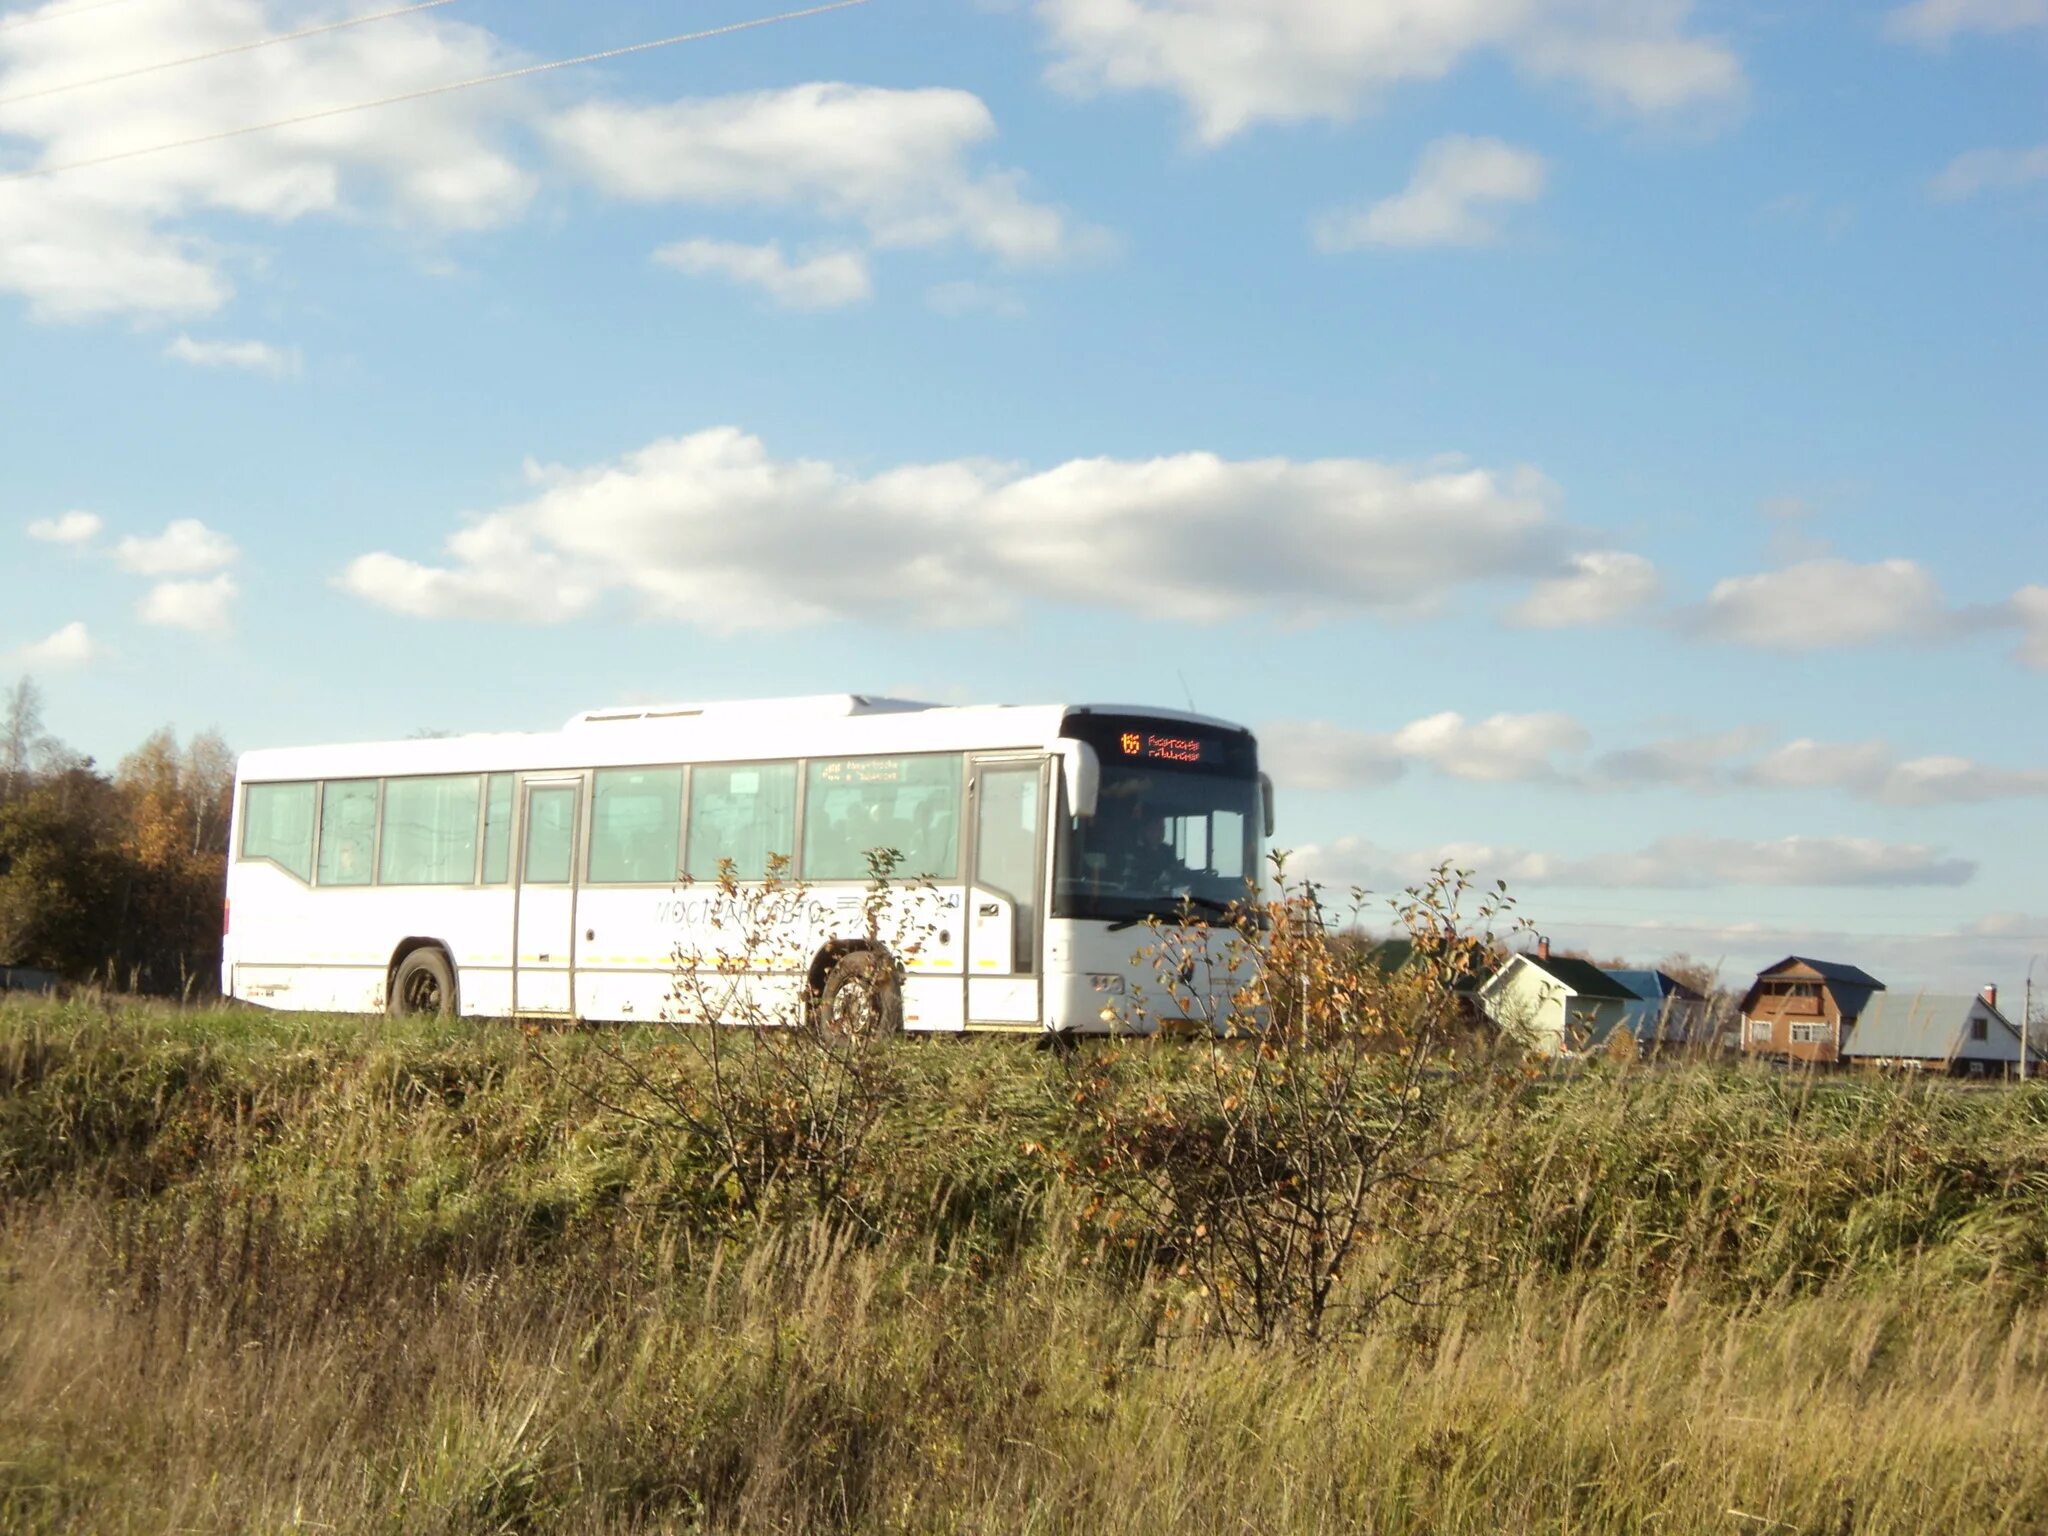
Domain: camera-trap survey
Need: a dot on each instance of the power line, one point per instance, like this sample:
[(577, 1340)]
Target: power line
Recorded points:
[(11, 23), (431, 90), (219, 53)]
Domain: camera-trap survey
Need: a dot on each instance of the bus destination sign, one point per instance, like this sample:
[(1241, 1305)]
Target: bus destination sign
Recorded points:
[(1149, 742), (1147, 746)]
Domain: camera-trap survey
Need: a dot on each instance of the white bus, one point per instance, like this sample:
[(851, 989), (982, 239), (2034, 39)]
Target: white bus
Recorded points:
[(567, 875)]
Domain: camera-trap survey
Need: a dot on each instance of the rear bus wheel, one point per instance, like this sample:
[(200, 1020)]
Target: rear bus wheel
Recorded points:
[(861, 1000), (424, 986)]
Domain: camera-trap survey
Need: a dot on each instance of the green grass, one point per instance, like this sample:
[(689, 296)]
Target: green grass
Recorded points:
[(263, 1273)]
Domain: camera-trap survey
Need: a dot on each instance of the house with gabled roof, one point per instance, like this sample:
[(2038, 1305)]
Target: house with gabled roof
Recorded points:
[(1803, 1009), (1666, 1014), (1962, 1036), (1554, 1005), (1466, 960)]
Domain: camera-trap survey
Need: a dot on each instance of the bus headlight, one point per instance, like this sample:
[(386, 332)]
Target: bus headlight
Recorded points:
[(1109, 982)]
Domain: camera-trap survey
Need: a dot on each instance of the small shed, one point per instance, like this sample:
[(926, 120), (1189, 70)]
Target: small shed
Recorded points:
[(1552, 1004), (1959, 1035)]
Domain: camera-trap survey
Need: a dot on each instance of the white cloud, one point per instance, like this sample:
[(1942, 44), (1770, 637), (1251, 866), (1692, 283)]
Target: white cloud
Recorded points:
[(1991, 170), (1859, 766), (1827, 603), (1686, 762), (1872, 770), (200, 606), (1697, 862), (1550, 748), (1453, 198), (185, 547), (67, 528), (70, 646), (1238, 62), (1948, 780), (249, 356), (1500, 749), (1933, 22), (711, 530), (143, 236), (2029, 609), (121, 238), (1670, 863), (895, 162), (1314, 754), (831, 280), (1602, 586)]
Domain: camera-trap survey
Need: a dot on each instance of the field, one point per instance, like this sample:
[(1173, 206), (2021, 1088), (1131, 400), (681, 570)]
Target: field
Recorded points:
[(266, 1274)]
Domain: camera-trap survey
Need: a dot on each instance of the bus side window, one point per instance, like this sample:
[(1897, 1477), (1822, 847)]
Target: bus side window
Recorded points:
[(429, 832), (277, 824), (855, 805), (742, 812), (498, 829), (348, 831), (636, 824)]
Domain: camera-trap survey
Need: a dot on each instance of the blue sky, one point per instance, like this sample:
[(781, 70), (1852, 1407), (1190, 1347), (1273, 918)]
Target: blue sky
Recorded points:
[(1597, 440)]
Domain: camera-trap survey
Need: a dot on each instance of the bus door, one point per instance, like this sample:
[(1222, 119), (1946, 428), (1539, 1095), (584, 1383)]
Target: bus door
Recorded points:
[(1005, 890), (544, 936)]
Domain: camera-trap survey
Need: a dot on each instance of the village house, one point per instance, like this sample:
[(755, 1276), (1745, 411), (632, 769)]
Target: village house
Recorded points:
[(1961, 1036), (1666, 1013), (1802, 1010), (1552, 1004)]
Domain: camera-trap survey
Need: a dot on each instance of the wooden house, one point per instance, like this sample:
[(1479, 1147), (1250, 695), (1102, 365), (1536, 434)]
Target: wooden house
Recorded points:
[(1803, 1010)]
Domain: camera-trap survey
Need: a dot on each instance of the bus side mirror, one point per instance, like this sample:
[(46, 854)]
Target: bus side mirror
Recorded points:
[(1266, 800), (1081, 770)]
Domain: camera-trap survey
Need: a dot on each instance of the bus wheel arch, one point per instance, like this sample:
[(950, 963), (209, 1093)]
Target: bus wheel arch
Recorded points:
[(855, 991), (422, 980)]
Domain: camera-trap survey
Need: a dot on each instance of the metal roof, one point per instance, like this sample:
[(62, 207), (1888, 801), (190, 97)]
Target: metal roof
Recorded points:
[(1931, 1027), (1829, 970), (1655, 986), (1582, 976)]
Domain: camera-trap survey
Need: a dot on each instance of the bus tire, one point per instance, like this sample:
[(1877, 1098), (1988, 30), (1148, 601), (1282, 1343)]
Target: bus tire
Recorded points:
[(423, 986), (861, 999)]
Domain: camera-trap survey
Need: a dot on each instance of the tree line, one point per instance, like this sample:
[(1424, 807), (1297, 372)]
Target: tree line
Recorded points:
[(112, 877)]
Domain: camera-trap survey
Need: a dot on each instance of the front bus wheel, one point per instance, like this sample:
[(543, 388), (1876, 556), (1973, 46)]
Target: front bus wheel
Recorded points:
[(424, 986), (861, 1000)]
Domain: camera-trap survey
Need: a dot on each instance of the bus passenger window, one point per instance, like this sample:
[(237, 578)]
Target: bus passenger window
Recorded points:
[(348, 831), (743, 813), (856, 805), (429, 832), (636, 824), (277, 824)]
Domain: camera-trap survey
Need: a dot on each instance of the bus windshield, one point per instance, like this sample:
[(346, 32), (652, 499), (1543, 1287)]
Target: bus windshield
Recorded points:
[(1176, 823)]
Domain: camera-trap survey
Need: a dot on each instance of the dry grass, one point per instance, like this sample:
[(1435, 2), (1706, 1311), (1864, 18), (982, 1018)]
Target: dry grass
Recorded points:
[(259, 1275)]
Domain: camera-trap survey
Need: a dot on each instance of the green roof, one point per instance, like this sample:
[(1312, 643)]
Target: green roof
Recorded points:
[(1582, 976)]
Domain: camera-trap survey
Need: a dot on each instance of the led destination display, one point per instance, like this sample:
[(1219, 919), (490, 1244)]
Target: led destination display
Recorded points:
[(1167, 744)]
